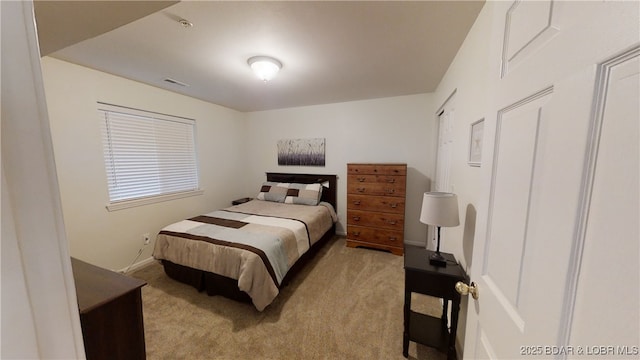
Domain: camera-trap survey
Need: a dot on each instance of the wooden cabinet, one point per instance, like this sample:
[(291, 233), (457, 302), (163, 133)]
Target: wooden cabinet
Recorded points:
[(375, 206), (110, 306)]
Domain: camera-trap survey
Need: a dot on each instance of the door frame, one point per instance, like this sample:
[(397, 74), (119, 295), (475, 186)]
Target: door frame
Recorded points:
[(430, 229)]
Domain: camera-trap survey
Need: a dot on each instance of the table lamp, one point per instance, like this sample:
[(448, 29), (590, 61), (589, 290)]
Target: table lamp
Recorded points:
[(439, 209)]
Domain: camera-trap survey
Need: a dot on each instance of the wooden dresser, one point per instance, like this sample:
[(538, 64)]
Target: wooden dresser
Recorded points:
[(375, 206)]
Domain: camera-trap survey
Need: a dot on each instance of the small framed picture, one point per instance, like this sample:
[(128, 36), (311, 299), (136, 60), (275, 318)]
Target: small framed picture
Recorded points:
[(475, 143)]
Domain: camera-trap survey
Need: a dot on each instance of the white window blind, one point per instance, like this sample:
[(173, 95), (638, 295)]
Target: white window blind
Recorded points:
[(147, 155)]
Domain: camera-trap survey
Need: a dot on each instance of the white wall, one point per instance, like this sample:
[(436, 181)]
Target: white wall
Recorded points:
[(467, 77), (39, 307), (397, 129), (112, 239)]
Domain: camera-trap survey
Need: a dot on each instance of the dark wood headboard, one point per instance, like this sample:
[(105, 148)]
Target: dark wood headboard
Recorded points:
[(328, 194)]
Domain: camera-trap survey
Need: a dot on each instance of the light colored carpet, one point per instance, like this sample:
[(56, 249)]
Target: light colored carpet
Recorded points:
[(345, 304)]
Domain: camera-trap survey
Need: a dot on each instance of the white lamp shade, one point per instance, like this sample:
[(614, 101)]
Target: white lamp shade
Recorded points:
[(264, 67), (440, 209)]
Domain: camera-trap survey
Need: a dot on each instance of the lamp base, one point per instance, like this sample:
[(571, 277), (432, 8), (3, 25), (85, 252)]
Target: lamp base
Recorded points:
[(436, 259)]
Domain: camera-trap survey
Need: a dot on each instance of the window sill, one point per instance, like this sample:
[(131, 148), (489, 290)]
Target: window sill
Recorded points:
[(126, 204)]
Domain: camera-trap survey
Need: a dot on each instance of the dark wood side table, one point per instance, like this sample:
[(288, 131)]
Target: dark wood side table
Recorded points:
[(240, 201), (421, 277), (110, 306)]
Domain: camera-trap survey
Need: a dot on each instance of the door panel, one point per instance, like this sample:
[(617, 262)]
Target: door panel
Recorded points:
[(528, 26), (614, 212), (514, 164), (483, 349), (538, 138)]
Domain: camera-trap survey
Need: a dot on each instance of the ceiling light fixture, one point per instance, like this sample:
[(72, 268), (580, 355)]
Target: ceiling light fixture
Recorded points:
[(264, 67)]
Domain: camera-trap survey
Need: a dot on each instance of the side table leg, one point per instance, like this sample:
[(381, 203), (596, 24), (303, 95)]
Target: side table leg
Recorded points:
[(445, 313), (405, 334), (455, 308)]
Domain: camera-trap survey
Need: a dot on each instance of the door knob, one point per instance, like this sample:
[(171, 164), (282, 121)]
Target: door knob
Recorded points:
[(464, 289)]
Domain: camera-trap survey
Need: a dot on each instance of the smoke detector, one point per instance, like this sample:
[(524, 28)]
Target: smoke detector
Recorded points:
[(185, 23)]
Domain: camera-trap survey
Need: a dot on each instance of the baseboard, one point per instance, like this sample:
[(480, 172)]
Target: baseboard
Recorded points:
[(139, 265), (459, 348), (408, 242), (414, 243)]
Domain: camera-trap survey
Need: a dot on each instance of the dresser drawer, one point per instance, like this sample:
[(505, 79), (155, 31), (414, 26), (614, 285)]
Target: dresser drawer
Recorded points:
[(384, 189), (377, 169), (377, 220), (376, 236), (368, 178), (376, 203)]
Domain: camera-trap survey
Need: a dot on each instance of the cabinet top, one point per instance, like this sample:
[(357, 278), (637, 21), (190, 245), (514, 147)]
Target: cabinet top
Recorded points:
[(417, 259), (379, 164), (96, 286)]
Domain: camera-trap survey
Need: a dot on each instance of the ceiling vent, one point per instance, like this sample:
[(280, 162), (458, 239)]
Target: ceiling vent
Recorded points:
[(175, 82)]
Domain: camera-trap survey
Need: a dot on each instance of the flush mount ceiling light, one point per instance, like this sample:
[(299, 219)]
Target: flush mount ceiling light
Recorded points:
[(264, 67)]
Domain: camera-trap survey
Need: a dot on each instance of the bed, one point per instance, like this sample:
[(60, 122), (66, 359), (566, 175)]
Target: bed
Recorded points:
[(249, 251)]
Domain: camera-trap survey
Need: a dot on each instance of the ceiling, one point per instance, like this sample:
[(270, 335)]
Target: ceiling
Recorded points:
[(332, 51)]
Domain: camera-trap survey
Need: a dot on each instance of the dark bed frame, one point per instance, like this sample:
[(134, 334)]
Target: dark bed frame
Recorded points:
[(215, 284)]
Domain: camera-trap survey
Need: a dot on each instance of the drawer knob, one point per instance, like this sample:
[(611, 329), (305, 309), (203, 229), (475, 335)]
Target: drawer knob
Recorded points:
[(356, 233), (391, 191), (391, 180), (356, 218), (360, 189), (393, 238), (391, 222), (394, 206), (357, 202), (361, 179)]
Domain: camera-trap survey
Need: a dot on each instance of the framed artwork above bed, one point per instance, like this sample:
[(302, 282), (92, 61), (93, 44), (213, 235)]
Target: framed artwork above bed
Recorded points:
[(301, 152)]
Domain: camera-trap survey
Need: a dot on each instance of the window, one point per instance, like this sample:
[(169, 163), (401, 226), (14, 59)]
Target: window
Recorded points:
[(149, 157)]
